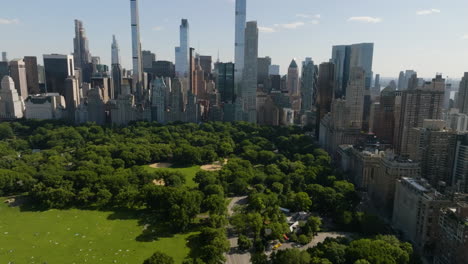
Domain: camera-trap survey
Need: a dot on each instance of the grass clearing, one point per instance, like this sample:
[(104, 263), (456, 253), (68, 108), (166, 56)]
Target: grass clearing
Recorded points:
[(80, 236), (189, 173)]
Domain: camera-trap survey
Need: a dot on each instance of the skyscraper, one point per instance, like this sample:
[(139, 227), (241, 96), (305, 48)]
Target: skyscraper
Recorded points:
[(148, 58), (263, 67), (4, 69), (57, 69), (249, 86), (418, 104), (136, 45), (115, 51), (463, 95), (355, 97), (81, 54), (308, 84), (274, 70), (10, 103), (225, 82), (72, 96), (293, 79), (241, 18), (401, 80), (4, 56), (325, 89), (32, 74), (346, 57), (182, 52), (340, 58), (18, 74), (116, 68)]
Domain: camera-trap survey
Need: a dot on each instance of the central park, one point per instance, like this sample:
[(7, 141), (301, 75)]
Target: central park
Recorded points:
[(151, 193)]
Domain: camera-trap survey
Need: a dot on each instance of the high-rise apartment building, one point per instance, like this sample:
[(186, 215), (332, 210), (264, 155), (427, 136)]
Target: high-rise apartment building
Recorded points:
[(4, 69), (384, 120), (418, 104), (263, 69), (452, 243), (18, 74), (81, 54), (57, 69), (416, 212), (241, 19), (308, 84), (274, 70), (293, 79), (116, 68), (355, 97), (325, 89), (32, 74), (148, 58), (404, 78), (4, 56), (206, 63), (225, 82), (463, 95), (11, 106), (136, 46), (249, 84), (460, 167), (434, 147), (163, 69), (382, 185), (182, 51)]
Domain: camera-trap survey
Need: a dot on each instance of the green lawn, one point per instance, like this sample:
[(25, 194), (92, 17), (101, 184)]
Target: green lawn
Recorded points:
[(77, 236), (189, 173)]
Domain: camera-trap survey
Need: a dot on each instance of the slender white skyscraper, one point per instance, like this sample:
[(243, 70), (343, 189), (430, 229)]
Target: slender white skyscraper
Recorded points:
[(116, 68), (115, 51), (241, 18), (182, 52), (136, 45), (249, 86)]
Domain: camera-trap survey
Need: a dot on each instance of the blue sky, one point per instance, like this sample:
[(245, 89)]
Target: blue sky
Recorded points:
[(429, 36)]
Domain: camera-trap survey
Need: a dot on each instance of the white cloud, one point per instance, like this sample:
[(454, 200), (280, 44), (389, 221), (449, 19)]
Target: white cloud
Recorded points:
[(465, 37), (5, 21), (317, 16), (293, 25), (157, 28), (315, 22), (365, 19), (266, 29), (428, 12)]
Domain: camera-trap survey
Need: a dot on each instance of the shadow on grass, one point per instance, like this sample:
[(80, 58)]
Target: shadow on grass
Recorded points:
[(194, 243)]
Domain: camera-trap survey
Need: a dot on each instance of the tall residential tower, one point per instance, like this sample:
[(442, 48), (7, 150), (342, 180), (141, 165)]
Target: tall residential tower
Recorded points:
[(81, 50), (182, 52), (136, 45), (241, 18)]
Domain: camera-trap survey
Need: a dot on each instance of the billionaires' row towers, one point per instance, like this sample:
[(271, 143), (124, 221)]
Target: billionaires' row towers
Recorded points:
[(241, 19), (136, 46)]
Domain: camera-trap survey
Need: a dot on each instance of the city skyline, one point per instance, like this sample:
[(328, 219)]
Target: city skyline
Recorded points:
[(294, 25)]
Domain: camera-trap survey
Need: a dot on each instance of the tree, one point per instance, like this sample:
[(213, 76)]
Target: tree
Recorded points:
[(290, 256), (312, 226), (259, 258), (159, 258), (244, 243), (215, 204), (303, 239), (6, 132), (301, 202)]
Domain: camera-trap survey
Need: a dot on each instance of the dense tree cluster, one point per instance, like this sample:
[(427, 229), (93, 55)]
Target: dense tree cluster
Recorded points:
[(90, 166)]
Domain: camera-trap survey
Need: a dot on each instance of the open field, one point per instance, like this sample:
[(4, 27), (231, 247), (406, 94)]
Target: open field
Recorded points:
[(78, 236), (189, 172)]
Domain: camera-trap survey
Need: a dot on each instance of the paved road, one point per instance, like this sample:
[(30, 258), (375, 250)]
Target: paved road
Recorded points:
[(318, 239), (233, 256)]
